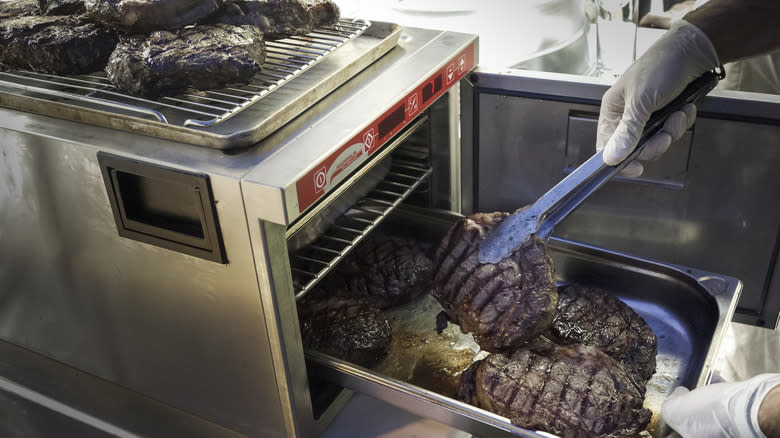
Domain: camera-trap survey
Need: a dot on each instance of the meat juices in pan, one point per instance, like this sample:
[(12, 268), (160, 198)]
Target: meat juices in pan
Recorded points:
[(572, 391), (342, 316), (504, 305), (592, 316)]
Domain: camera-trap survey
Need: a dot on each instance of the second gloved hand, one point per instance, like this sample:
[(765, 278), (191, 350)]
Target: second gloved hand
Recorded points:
[(727, 410), (681, 55)]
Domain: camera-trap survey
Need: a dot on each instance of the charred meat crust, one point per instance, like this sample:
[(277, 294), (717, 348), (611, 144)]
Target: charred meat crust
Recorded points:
[(144, 16), (592, 316), (19, 8), (384, 270), (503, 305), (279, 18), (352, 330), (571, 391), (62, 7), (68, 45), (201, 57)]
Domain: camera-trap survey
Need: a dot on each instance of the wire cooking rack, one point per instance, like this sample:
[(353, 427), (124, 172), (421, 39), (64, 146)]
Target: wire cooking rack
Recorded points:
[(313, 262), (285, 59)]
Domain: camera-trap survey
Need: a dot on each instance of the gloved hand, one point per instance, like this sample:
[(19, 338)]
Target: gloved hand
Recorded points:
[(719, 410), (681, 55)]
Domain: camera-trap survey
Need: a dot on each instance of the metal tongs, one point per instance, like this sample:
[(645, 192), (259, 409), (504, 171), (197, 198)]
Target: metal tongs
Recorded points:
[(541, 217)]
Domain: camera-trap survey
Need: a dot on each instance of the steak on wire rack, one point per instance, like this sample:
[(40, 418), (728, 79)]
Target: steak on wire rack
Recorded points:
[(279, 18), (144, 16), (384, 270), (68, 45), (571, 391), (62, 7), (201, 57), (504, 305), (19, 8), (592, 316)]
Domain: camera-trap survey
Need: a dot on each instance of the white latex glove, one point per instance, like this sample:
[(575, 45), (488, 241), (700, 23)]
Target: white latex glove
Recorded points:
[(720, 410), (681, 55)]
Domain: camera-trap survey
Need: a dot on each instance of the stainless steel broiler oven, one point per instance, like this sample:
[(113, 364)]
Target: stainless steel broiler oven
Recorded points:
[(153, 251)]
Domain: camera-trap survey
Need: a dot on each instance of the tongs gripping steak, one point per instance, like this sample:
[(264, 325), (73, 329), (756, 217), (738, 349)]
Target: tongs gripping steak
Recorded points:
[(504, 305)]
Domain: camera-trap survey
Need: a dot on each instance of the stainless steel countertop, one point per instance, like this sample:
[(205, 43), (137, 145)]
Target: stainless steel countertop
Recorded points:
[(745, 351)]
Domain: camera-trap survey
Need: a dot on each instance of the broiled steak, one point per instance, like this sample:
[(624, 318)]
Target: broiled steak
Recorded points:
[(144, 16), (19, 8), (383, 270), (279, 18), (571, 391), (592, 316), (504, 305), (62, 7), (55, 44), (352, 330), (202, 57)]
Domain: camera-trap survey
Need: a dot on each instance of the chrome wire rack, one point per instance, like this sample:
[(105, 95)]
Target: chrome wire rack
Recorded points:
[(285, 59), (311, 263)]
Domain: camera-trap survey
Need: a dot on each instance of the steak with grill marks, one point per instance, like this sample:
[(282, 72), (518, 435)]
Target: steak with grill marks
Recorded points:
[(592, 316), (383, 270), (279, 18), (202, 57), (571, 391), (353, 330), (504, 305), (67, 45), (144, 16)]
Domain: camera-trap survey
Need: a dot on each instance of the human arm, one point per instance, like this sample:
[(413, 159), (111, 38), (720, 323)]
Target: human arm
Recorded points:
[(681, 55), (769, 414), (742, 409), (738, 28)]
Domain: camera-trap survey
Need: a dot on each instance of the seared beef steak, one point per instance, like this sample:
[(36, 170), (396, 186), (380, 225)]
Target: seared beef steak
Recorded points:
[(571, 391), (279, 18), (143, 16), (202, 57), (504, 305), (591, 316), (19, 8), (58, 44), (352, 330), (383, 270)]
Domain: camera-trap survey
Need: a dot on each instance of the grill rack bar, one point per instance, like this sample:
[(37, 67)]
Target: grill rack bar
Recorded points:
[(286, 59), (311, 263)]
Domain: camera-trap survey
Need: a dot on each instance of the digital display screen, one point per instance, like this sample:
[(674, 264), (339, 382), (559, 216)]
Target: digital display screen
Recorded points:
[(393, 119), (431, 88)]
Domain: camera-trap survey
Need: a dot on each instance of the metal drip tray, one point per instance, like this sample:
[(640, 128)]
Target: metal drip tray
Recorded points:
[(199, 117), (688, 309)]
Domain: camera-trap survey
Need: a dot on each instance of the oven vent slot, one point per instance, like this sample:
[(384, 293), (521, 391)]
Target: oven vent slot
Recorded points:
[(311, 263)]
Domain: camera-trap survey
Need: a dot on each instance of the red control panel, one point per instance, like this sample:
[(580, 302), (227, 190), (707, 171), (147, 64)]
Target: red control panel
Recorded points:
[(337, 166)]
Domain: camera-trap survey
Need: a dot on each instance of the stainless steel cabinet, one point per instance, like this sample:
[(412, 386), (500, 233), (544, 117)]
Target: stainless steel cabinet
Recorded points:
[(711, 202)]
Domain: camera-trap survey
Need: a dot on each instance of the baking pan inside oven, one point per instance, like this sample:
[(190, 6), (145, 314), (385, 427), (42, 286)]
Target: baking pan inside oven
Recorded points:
[(688, 309)]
